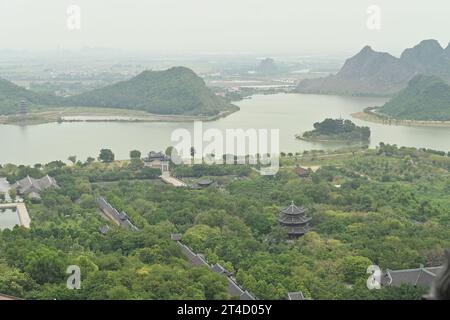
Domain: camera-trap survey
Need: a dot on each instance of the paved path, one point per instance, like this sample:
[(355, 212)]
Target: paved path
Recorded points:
[(167, 178)]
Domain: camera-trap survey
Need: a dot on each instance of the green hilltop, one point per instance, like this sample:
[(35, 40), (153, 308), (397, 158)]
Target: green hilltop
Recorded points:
[(372, 73), (426, 98), (336, 130), (176, 91), (11, 95)]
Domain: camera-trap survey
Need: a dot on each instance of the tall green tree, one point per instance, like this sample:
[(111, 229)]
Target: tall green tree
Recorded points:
[(106, 155), (135, 154)]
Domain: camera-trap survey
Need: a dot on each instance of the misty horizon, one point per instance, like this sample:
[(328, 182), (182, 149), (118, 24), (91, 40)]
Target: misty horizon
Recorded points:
[(199, 27)]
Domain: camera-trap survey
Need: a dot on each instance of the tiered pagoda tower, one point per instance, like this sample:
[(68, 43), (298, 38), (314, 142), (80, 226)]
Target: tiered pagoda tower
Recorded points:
[(23, 108), (340, 122), (295, 220)]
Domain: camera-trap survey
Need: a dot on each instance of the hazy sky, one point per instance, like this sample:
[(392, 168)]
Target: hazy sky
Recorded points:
[(223, 26)]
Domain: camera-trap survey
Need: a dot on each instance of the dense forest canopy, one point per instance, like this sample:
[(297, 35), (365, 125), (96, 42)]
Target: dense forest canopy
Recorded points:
[(174, 91), (338, 129), (425, 98), (387, 206)]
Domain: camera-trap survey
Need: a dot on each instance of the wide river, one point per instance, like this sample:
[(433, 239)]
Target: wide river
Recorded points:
[(290, 113)]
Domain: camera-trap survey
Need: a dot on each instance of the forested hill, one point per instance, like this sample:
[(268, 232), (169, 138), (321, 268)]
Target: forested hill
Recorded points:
[(337, 129), (375, 73), (425, 98), (177, 91), (387, 206), (11, 95), (174, 91)]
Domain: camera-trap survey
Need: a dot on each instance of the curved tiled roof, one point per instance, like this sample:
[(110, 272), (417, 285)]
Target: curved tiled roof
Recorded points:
[(29, 184), (295, 220), (422, 277), (292, 219), (294, 210)]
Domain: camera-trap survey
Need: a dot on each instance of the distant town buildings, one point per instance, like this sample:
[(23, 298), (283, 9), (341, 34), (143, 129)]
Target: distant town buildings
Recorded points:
[(33, 187), (294, 220)]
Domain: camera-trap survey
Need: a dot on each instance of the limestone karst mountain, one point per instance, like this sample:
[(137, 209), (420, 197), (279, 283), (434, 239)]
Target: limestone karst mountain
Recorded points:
[(372, 73)]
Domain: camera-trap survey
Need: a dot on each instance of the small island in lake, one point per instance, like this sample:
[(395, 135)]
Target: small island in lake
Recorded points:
[(336, 130)]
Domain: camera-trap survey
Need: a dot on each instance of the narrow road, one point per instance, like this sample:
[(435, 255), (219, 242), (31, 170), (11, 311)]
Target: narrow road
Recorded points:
[(167, 178)]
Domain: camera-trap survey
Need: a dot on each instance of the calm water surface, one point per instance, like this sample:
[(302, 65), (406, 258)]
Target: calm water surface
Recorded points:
[(8, 218), (291, 113)]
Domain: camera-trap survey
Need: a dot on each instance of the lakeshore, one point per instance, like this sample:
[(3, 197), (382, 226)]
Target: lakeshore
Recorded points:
[(371, 116), (290, 113), (329, 140), (96, 114)]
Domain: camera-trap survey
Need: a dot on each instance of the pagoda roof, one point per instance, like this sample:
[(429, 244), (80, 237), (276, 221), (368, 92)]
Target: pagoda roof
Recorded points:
[(289, 219), (298, 230), (294, 210), (205, 182)]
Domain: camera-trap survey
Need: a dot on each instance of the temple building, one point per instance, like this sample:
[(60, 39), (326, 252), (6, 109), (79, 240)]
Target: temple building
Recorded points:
[(23, 108), (294, 220), (157, 160), (33, 187), (419, 277)]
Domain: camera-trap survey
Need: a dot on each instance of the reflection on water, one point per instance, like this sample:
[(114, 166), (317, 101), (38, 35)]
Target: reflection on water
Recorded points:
[(8, 218), (291, 113)]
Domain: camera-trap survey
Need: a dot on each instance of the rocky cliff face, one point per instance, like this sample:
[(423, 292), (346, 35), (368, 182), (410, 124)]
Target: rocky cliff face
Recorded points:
[(381, 74)]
